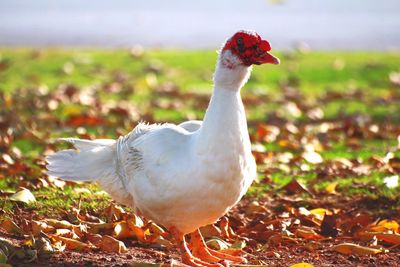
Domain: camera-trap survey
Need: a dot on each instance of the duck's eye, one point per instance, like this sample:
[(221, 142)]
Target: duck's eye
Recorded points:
[(240, 45)]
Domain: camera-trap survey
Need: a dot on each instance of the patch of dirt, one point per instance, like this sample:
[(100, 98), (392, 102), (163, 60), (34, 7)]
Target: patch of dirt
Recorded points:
[(262, 227)]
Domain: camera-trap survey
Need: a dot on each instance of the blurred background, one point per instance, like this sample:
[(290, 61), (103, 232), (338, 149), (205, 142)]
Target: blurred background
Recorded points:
[(324, 124), (330, 24)]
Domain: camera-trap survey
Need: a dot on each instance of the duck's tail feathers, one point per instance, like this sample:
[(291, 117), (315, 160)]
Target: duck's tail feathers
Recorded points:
[(92, 160)]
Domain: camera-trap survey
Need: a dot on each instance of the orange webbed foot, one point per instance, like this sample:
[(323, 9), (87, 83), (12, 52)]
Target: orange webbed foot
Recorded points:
[(188, 258), (200, 250)]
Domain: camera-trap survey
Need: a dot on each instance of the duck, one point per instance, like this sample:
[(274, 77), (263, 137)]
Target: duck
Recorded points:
[(181, 176)]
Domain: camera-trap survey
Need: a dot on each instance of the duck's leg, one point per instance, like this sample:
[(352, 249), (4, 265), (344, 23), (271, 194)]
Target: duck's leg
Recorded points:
[(201, 250), (187, 256)]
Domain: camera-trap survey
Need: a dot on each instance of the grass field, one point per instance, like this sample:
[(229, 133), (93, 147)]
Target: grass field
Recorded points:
[(328, 120)]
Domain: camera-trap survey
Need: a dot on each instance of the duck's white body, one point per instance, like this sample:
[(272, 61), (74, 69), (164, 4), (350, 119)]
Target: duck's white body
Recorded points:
[(183, 176)]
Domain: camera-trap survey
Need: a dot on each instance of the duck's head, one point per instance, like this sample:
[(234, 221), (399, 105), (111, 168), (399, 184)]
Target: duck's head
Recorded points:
[(246, 48)]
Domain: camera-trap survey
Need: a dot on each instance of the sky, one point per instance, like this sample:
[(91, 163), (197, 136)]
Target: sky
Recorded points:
[(327, 24)]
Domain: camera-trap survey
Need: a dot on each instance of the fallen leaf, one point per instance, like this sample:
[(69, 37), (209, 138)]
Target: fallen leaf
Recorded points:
[(217, 244), (39, 226), (255, 207), (210, 231), (122, 231), (72, 243), (44, 248), (384, 225), (312, 157), (301, 264), (96, 228), (320, 212), (331, 188), (387, 237), (146, 264), (329, 225), (23, 195), (110, 244), (307, 233), (59, 224), (295, 186), (11, 227), (349, 248), (312, 246), (391, 181)]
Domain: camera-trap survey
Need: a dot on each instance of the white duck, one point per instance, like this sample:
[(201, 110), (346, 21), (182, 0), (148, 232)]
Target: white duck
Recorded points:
[(181, 176)]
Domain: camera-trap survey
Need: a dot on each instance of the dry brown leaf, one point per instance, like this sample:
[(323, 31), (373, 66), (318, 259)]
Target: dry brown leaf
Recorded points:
[(110, 244), (329, 225), (295, 186), (96, 228), (387, 237), (255, 207), (146, 264), (312, 246), (72, 243), (67, 233), (11, 227), (217, 244), (349, 248), (94, 238), (115, 213), (59, 224), (210, 231), (307, 233), (40, 226), (23, 195)]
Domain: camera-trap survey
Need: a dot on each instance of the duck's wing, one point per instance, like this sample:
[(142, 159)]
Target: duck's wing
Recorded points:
[(151, 148)]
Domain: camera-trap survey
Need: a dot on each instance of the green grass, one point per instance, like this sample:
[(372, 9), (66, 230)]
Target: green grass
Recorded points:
[(192, 70), (361, 79)]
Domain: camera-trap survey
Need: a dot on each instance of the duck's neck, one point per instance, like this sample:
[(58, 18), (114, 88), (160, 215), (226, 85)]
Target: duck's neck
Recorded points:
[(225, 120)]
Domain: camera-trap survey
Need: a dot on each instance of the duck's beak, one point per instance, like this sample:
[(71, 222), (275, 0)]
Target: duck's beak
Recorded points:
[(267, 58)]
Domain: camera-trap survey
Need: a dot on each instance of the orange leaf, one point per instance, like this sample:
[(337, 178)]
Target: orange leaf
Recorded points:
[(385, 225), (349, 248), (122, 231), (389, 238), (10, 227)]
